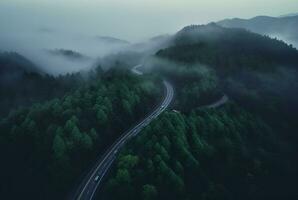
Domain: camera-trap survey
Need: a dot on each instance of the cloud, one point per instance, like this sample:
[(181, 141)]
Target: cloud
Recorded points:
[(35, 44)]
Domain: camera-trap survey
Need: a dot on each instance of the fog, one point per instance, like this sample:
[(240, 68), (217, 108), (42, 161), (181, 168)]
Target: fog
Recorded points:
[(35, 45), (32, 27), (42, 46), (287, 38), (133, 20)]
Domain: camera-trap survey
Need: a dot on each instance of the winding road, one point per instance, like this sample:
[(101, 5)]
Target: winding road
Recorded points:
[(136, 70), (224, 99), (93, 180)]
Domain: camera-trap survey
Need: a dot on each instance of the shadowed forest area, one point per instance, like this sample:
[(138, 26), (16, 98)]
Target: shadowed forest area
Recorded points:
[(206, 113)]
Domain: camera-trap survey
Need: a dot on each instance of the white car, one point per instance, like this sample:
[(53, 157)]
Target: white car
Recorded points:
[(96, 178)]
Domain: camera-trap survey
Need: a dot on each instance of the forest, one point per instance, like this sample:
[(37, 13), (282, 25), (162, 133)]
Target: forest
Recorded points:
[(258, 72), (57, 140), (55, 128), (244, 150), (195, 85), (229, 49), (22, 83), (225, 153)]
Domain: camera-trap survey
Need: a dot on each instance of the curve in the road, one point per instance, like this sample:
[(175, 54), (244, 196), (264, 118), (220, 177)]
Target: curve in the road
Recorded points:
[(223, 100), (136, 70), (93, 180), (88, 188)]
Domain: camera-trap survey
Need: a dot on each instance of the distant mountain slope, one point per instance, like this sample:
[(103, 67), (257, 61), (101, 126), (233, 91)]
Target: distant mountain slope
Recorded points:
[(22, 83), (283, 27), (111, 40), (69, 54), (14, 62), (289, 15), (160, 38), (228, 49), (252, 69)]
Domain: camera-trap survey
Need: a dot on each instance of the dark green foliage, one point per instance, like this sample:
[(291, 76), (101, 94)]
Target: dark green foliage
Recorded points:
[(69, 54), (22, 84), (46, 147), (149, 192), (195, 85), (244, 151), (284, 26), (15, 63), (229, 50), (207, 154), (256, 71)]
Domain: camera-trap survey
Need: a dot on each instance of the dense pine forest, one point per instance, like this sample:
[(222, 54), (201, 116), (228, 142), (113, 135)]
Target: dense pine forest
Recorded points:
[(195, 85), (244, 150), (53, 128), (224, 153), (23, 83), (57, 140), (229, 49)]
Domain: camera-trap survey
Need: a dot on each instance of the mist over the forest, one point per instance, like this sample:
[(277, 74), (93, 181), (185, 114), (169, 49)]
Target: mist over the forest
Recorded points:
[(282, 28), (37, 45), (30, 27), (148, 100)]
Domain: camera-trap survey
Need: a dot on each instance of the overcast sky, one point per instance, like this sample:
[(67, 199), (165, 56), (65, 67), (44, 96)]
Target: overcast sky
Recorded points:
[(129, 19)]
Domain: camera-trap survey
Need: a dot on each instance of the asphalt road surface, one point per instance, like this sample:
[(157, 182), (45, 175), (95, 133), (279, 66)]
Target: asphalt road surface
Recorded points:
[(95, 177), (219, 103), (92, 181), (136, 70)]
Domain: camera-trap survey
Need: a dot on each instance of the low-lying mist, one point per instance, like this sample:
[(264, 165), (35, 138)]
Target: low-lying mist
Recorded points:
[(290, 40), (36, 45), (141, 53), (154, 63), (60, 52)]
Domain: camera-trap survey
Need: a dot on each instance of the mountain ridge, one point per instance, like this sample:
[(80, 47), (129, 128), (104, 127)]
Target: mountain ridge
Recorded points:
[(280, 27), (112, 40)]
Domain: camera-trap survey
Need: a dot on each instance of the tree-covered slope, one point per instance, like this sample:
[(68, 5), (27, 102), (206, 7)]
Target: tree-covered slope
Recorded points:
[(229, 49), (46, 147), (244, 150), (255, 70), (208, 154), (195, 85), (283, 27), (22, 83), (14, 63)]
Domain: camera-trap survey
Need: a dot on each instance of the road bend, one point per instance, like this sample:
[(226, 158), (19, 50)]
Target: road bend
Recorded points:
[(94, 178)]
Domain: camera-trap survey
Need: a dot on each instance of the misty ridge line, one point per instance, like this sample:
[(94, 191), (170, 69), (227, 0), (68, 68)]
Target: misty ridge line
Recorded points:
[(57, 52), (66, 95)]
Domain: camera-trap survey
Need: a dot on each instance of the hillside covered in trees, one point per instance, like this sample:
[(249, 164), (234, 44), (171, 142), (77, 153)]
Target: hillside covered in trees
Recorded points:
[(229, 49), (195, 85), (258, 72), (244, 150), (282, 27), (55, 141), (23, 83), (208, 154)]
